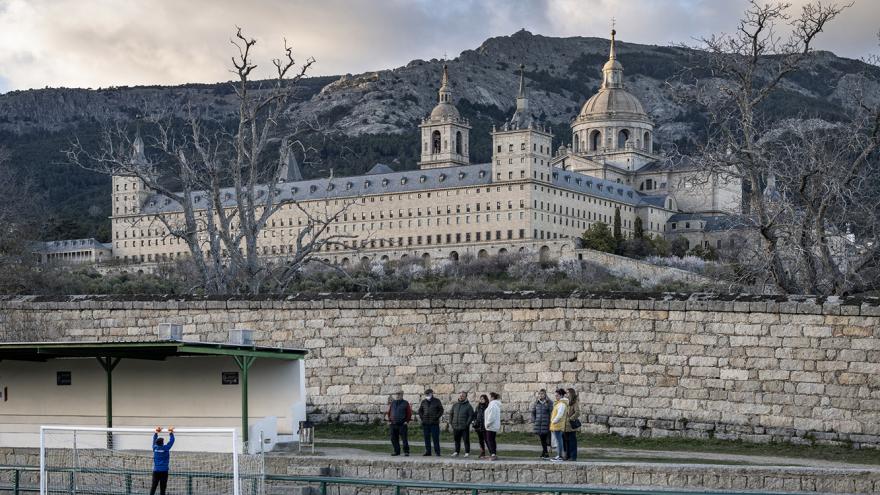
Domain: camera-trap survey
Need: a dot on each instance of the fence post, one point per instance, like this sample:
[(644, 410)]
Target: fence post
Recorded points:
[(323, 488), (189, 484), (16, 479), (127, 483)]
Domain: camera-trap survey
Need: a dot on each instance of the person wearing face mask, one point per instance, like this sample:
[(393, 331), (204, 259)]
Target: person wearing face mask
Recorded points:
[(541, 409), (430, 413), (480, 423)]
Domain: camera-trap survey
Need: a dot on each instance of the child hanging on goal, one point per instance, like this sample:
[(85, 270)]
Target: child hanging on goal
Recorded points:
[(161, 458)]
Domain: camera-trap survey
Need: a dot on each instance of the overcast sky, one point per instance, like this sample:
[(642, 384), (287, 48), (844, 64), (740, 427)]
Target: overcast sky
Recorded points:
[(99, 43)]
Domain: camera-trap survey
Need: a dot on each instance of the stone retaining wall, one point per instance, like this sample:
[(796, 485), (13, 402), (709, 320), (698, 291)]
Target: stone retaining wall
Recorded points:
[(604, 474), (757, 369)]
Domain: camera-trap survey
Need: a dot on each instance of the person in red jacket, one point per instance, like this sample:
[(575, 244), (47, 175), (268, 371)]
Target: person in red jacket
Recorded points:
[(399, 415)]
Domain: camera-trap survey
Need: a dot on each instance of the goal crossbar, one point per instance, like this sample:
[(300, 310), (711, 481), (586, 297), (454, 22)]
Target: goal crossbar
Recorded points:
[(43, 429)]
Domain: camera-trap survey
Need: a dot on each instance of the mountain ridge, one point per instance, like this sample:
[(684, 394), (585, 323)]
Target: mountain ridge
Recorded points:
[(373, 116)]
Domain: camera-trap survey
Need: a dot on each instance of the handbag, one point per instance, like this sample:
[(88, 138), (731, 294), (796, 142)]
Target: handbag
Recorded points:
[(575, 423)]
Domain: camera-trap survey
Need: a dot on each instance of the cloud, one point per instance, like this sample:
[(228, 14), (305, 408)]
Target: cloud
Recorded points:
[(99, 43)]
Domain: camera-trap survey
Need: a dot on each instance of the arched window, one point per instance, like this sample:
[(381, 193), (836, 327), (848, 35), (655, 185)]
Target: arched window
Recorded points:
[(647, 141), (622, 138), (458, 142), (577, 143), (595, 140), (435, 140)]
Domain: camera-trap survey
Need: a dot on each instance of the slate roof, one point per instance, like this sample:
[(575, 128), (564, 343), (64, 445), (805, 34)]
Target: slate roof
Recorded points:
[(66, 245), (378, 181), (714, 223), (669, 164)]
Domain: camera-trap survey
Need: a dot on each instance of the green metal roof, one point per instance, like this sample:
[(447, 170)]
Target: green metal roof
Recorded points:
[(152, 350)]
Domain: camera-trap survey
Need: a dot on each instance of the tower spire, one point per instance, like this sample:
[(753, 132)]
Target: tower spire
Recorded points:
[(445, 93), (612, 72), (612, 55), (522, 102), (522, 83)]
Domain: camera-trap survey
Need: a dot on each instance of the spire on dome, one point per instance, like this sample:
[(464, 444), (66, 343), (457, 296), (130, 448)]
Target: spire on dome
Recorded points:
[(611, 56), (612, 72), (445, 93)]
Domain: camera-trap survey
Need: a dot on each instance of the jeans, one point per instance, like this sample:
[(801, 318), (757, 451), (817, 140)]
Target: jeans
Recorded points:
[(571, 445), (431, 432), (558, 436), (545, 443), (458, 436), (160, 479), (491, 444), (398, 433)]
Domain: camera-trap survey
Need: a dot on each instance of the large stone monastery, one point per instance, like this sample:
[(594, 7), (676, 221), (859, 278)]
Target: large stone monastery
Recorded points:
[(531, 197)]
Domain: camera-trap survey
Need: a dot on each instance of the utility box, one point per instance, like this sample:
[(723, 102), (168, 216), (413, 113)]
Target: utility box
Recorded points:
[(170, 331), (241, 336)]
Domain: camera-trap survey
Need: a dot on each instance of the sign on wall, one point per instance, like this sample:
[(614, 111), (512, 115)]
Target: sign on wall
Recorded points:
[(63, 378), (229, 378)]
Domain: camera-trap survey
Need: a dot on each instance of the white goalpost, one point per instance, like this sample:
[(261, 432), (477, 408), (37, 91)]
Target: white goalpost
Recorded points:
[(95, 460)]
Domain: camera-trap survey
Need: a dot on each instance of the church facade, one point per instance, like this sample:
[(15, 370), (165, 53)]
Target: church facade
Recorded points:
[(529, 198)]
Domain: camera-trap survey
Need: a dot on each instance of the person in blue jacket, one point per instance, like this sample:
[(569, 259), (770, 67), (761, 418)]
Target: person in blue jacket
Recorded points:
[(161, 458)]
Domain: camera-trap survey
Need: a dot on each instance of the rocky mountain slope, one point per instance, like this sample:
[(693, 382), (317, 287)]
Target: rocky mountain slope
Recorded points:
[(374, 116)]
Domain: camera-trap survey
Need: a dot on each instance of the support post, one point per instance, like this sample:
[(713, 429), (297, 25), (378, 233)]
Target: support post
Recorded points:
[(109, 364), (244, 364)]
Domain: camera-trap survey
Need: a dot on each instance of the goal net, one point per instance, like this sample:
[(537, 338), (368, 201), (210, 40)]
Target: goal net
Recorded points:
[(99, 461)]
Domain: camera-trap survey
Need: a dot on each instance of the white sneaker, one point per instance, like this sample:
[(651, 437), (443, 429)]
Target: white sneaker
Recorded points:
[(556, 459), (467, 454), (454, 454)]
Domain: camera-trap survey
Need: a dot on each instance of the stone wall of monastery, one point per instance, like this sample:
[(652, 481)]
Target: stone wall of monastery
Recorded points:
[(759, 369)]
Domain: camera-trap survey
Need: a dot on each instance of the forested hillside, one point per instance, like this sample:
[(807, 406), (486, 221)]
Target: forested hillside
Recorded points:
[(373, 117)]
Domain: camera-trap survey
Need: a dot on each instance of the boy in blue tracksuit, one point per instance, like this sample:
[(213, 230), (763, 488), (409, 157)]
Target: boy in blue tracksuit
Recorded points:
[(161, 458)]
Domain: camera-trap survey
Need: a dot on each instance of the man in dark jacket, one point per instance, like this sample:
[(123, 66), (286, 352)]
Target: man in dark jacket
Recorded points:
[(460, 418), (161, 460), (430, 412), (399, 415), (541, 411)]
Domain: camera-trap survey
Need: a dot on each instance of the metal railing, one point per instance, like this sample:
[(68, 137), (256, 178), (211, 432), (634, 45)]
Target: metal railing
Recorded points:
[(16, 487)]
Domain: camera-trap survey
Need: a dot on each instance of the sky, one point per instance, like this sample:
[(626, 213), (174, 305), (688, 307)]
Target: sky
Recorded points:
[(101, 43)]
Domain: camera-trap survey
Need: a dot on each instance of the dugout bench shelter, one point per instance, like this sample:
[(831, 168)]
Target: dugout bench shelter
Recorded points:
[(144, 383)]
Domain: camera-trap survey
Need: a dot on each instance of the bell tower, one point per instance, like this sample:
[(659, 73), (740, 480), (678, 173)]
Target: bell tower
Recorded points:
[(445, 139)]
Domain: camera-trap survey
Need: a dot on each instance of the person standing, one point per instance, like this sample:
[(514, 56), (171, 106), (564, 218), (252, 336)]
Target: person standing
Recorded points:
[(430, 412), (161, 460), (480, 423), (572, 424), (460, 417), (399, 415), (558, 420), (541, 410), (493, 424)]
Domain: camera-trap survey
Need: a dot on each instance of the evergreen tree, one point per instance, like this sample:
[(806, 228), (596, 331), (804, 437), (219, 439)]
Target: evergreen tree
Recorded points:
[(639, 229), (618, 232), (599, 238)]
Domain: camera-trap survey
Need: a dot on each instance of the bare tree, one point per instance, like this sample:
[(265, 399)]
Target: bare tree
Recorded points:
[(21, 211), (806, 182), (226, 179)]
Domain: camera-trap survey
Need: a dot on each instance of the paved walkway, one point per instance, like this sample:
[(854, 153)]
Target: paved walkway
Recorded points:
[(349, 448)]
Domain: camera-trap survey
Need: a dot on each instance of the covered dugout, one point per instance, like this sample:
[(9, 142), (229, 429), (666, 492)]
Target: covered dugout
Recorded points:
[(260, 390)]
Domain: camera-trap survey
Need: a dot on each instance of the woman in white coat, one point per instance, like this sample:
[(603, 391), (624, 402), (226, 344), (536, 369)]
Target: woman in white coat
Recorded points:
[(493, 424)]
